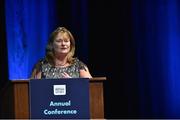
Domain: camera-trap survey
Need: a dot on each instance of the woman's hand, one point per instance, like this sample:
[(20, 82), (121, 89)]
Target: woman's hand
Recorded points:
[(65, 75)]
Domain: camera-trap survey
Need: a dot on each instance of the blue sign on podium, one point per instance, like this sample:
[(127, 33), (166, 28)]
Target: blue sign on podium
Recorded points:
[(66, 98)]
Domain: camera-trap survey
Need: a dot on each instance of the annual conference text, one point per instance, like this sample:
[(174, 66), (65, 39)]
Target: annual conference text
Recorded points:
[(58, 112)]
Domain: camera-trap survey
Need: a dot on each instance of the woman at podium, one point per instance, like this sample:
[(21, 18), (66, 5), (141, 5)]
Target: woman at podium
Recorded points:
[(59, 60)]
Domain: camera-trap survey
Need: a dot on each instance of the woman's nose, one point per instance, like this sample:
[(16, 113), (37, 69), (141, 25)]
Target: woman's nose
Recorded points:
[(63, 42)]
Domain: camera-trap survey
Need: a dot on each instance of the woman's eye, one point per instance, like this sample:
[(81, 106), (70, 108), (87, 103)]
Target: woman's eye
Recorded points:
[(66, 40), (61, 41), (58, 41)]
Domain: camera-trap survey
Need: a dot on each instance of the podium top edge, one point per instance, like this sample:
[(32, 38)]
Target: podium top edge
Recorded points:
[(27, 80), (98, 78)]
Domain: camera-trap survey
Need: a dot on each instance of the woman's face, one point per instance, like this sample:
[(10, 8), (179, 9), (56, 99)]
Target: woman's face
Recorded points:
[(62, 44)]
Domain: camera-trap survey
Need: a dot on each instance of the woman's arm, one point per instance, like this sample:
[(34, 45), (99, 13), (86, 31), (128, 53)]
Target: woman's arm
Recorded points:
[(36, 74), (84, 73)]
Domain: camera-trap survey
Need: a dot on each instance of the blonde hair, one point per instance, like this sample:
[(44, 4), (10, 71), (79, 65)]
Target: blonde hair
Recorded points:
[(49, 48)]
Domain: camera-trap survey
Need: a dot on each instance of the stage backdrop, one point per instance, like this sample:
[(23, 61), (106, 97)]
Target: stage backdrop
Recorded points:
[(156, 39), (29, 24), (135, 42)]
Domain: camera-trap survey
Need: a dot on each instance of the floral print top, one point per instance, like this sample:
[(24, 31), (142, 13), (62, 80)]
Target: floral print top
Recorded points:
[(49, 71)]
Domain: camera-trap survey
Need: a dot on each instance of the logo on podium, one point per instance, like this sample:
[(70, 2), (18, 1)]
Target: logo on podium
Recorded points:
[(59, 89)]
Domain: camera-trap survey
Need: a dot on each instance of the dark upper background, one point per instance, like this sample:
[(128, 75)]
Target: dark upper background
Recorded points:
[(109, 48)]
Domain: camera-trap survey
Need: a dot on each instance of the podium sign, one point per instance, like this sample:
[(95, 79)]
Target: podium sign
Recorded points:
[(59, 98)]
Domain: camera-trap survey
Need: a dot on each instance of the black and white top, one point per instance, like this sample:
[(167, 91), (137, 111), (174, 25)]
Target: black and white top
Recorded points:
[(49, 71)]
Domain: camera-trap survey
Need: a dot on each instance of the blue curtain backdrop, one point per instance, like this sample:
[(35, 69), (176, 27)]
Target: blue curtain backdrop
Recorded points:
[(156, 33), (28, 26)]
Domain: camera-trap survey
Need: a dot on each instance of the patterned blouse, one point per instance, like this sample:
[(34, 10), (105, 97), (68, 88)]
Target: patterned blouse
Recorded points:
[(52, 72)]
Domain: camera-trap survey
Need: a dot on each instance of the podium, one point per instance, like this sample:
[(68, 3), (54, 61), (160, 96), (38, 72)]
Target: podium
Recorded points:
[(15, 99)]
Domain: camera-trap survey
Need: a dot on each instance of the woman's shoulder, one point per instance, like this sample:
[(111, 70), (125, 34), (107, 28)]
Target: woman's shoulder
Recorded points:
[(80, 63), (40, 62)]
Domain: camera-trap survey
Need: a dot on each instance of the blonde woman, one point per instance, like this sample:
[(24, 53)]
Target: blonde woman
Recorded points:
[(59, 61)]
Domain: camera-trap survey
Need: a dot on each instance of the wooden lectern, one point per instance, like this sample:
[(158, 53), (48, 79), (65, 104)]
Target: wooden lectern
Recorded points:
[(15, 99)]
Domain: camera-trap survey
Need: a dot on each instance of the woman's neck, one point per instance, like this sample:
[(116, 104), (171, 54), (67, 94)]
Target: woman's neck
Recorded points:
[(60, 61)]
